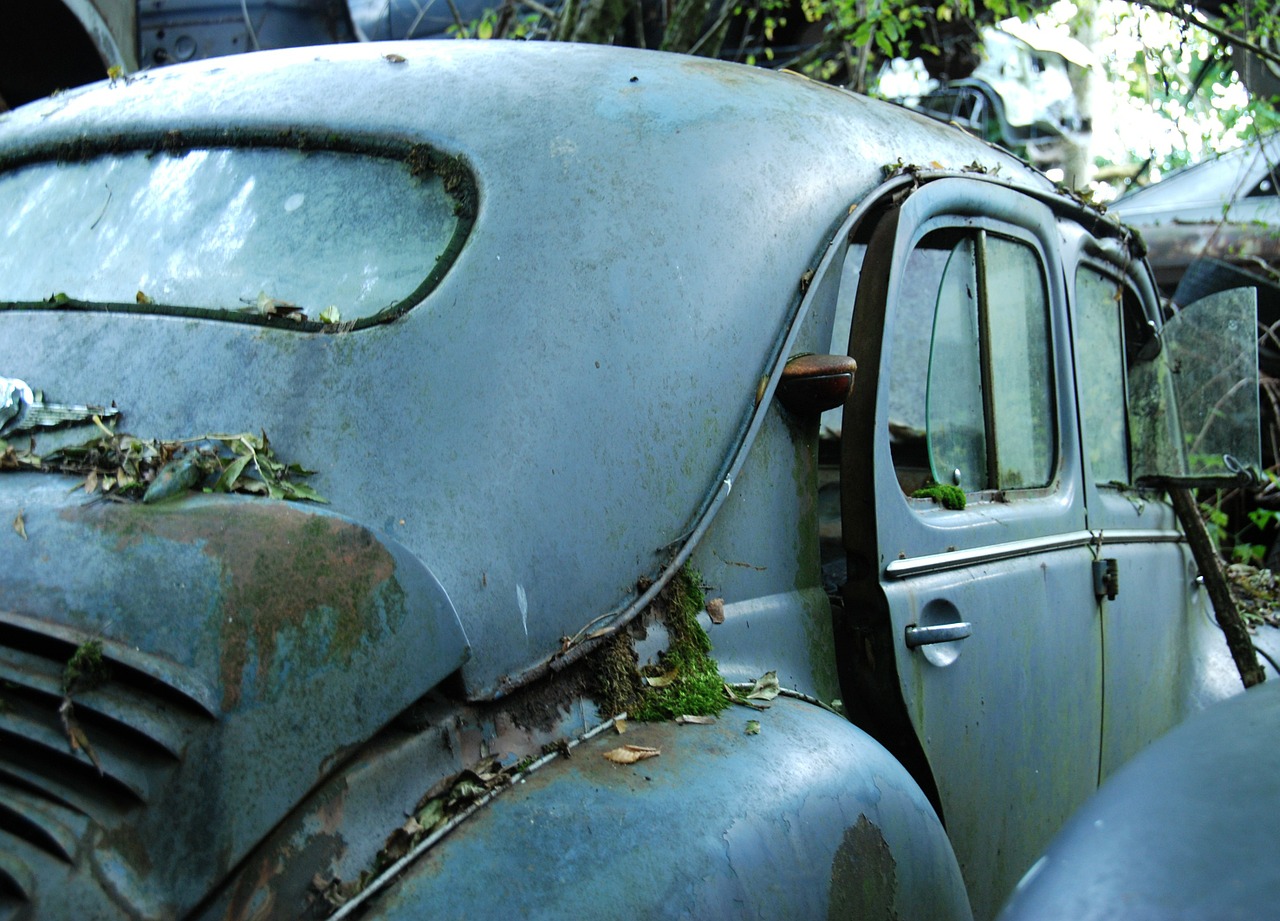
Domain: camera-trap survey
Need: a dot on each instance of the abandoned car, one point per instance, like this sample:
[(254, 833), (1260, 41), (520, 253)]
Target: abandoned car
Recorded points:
[(384, 422), (1195, 845)]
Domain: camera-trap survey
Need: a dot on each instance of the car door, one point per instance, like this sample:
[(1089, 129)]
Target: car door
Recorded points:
[(976, 629), (1159, 642)]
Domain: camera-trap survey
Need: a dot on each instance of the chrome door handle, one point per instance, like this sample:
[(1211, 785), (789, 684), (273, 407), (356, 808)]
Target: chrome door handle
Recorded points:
[(942, 633)]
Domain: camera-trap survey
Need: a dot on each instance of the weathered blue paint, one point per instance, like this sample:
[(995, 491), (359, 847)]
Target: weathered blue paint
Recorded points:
[(239, 636), (808, 819), (1185, 830), (581, 403), (533, 344)]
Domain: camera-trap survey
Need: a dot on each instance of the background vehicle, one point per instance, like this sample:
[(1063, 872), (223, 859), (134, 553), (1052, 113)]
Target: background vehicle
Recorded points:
[(1195, 844), (555, 340)]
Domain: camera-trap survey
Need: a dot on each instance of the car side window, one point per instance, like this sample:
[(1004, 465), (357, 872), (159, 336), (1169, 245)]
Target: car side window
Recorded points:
[(1100, 301), (978, 413)]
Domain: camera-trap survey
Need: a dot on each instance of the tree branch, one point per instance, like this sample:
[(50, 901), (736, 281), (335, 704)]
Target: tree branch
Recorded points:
[(1226, 35)]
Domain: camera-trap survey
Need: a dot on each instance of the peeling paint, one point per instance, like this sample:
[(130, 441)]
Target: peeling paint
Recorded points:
[(864, 875), (314, 586)]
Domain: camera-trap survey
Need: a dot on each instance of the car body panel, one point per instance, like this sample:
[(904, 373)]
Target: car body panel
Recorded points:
[(1222, 208), (610, 840), (1182, 831), (534, 165), (578, 419), (225, 625), (1158, 613), (1016, 706)]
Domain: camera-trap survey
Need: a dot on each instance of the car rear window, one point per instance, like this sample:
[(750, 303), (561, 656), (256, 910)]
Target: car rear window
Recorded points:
[(313, 238)]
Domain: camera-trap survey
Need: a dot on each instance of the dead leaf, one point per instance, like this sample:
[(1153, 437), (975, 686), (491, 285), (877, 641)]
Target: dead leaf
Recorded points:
[(630, 754), (431, 814), (662, 681), (696, 720), (620, 726), (765, 688), (715, 610), (75, 735), (394, 58), (20, 526), (274, 307), (753, 727), (402, 840), (733, 696)]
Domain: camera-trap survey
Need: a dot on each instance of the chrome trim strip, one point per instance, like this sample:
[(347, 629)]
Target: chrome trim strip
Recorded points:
[(955, 559)]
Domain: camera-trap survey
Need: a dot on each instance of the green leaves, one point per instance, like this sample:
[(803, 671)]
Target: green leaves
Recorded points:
[(118, 465)]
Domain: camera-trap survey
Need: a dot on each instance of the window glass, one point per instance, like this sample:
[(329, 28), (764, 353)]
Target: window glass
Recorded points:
[(1100, 378), (1195, 404), (979, 412), (1017, 326), (234, 229), (954, 405)]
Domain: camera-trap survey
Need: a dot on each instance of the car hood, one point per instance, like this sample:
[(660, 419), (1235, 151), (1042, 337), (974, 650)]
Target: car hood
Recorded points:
[(246, 647)]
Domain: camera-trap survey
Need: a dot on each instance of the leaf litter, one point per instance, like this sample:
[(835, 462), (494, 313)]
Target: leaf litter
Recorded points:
[(630, 754), (116, 465), (441, 804)]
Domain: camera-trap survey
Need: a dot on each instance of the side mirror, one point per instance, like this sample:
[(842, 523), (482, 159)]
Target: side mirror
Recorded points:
[(812, 384)]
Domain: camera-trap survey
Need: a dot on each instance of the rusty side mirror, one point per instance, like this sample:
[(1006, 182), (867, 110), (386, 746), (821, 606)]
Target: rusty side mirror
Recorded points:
[(812, 384)]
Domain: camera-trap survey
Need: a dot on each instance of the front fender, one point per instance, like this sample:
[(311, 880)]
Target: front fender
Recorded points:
[(809, 818)]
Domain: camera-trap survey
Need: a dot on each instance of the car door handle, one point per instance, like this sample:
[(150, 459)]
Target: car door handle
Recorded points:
[(941, 633)]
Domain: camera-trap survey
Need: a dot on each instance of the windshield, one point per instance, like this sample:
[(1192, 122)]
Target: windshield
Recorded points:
[(308, 236)]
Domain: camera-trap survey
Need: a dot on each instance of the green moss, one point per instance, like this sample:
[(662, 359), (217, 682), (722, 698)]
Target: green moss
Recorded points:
[(425, 162), (951, 497), (617, 684), (692, 684), (85, 668), (696, 687)]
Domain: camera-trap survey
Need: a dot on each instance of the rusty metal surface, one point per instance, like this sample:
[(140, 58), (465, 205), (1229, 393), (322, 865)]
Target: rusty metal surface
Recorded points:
[(249, 645), (1175, 245)]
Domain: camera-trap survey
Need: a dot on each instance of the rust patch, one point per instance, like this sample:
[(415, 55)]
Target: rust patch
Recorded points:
[(312, 580), (864, 875), (276, 882)]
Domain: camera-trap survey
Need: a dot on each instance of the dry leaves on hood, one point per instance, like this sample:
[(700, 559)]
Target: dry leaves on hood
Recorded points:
[(630, 754)]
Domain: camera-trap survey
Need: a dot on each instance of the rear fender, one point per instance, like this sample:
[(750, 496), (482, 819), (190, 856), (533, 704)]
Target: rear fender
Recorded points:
[(809, 817)]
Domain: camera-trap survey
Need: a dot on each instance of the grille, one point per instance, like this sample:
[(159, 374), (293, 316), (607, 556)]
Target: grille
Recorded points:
[(131, 730)]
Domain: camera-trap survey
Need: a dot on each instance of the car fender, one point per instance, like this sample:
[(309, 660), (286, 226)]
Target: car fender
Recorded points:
[(1184, 830), (806, 817)]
